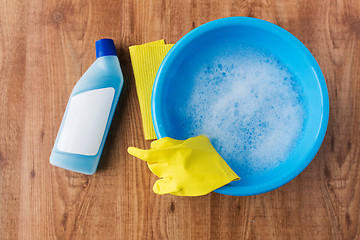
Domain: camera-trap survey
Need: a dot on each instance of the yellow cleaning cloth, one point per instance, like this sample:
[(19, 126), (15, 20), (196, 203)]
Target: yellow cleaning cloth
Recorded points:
[(146, 60), (187, 168)]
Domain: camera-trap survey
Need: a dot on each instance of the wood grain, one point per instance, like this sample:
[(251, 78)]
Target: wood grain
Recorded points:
[(45, 46)]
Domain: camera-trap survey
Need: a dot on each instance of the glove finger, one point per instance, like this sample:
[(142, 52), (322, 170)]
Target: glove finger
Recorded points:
[(201, 141), (145, 155), (159, 169), (150, 156), (164, 186), (165, 143)]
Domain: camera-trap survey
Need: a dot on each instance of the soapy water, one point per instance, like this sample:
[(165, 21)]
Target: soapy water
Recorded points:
[(251, 107)]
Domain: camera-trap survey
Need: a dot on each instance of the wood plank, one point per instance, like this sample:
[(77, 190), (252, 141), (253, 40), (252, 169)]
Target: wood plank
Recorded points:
[(12, 70)]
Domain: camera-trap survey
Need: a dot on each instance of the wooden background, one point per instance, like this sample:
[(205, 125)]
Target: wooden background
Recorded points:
[(45, 46)]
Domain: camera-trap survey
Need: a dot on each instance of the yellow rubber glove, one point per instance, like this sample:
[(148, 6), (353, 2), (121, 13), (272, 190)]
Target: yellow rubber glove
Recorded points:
[(187, 168)]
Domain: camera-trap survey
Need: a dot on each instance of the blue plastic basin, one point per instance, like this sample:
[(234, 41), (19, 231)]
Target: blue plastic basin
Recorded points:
[(175, 78)]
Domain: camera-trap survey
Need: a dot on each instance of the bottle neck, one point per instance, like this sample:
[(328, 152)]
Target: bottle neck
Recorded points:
[(105, 47)]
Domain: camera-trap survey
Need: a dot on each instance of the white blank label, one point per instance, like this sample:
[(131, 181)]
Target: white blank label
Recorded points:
[(85, 123)]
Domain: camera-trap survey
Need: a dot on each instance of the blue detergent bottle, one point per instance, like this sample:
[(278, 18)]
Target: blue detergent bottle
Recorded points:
[(87, 118)]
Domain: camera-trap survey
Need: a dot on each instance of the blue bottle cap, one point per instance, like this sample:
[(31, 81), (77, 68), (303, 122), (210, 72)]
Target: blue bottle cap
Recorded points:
[(105, 47)]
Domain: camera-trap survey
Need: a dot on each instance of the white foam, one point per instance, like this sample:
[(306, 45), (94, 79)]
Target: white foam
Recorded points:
[(250, 107)]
